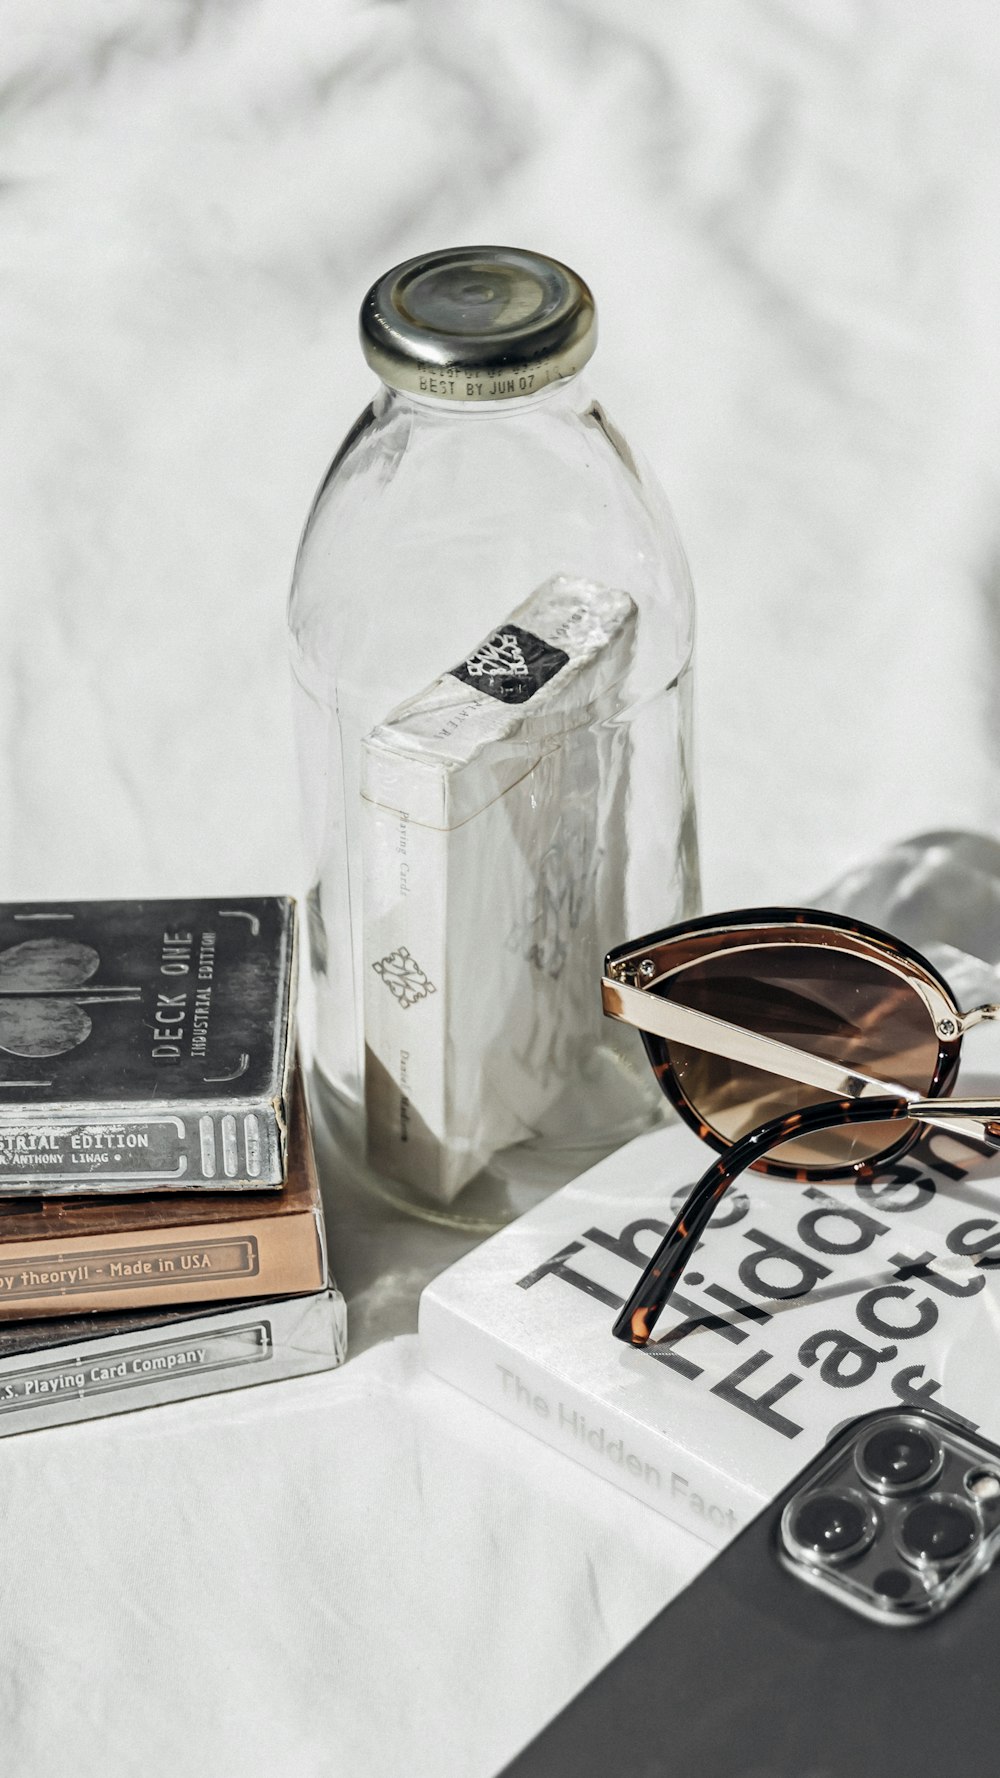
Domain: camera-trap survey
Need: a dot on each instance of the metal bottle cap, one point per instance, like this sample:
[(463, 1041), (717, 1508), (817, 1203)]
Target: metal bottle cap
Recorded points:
[(478, 324)]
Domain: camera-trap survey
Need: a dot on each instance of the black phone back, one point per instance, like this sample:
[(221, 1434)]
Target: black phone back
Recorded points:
[(754, 1673)]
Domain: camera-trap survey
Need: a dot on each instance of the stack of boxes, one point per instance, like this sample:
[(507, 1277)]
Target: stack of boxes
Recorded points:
[(161, 1227)]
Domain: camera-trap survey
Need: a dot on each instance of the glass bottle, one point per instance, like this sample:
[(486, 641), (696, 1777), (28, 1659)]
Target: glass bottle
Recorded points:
[(491, 634)]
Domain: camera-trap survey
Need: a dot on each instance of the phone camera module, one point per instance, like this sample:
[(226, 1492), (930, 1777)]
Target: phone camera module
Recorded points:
[(937, 1532), (896, 1518), (897, 1458), (830, 1527)]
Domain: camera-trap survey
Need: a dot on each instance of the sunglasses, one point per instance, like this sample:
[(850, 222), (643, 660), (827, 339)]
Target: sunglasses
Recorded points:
[(796, 1043)]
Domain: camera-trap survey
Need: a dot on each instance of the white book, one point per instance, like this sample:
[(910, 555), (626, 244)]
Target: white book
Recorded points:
[(493, 857), (803, 1306)]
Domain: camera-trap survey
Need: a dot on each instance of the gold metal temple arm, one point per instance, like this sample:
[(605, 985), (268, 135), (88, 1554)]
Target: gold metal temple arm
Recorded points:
[(681, 1024), (976, 1117)]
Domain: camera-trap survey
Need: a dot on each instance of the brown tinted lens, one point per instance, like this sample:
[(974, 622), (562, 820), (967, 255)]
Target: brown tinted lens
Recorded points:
[(832, 1002)]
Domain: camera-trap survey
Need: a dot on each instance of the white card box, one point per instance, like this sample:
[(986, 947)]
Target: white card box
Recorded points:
[(493, 858), (803, 1306)]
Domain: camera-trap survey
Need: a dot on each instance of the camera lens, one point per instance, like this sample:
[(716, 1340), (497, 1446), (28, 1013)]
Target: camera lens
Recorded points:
[(831, 1526), (898, 1457), (938, 1530)]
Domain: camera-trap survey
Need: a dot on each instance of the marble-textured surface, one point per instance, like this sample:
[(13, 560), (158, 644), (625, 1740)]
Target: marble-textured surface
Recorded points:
[(788, 211)]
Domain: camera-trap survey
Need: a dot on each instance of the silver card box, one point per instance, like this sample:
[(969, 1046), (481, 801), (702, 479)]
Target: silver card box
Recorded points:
[(56, 1372)]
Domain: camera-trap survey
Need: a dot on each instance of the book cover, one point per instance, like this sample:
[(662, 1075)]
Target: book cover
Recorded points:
[(144, 1045), (62, 1256), (804, 1306), (493, 831), (86, 1366)]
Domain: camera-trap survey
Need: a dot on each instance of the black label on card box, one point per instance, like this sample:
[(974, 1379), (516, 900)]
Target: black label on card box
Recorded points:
[(511, 665)]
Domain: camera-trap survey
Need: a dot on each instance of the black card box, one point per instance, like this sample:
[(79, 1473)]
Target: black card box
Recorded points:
[(144, 1045)]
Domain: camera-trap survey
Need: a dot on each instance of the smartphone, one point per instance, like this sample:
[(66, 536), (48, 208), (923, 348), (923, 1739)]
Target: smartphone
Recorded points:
[(851, 1631)]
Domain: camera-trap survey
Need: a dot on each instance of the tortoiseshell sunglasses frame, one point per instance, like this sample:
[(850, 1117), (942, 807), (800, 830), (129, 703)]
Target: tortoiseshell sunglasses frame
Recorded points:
[(633, 970), (638, 1316)]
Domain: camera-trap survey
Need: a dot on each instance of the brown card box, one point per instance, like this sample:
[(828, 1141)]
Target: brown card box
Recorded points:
[(72, 1256)]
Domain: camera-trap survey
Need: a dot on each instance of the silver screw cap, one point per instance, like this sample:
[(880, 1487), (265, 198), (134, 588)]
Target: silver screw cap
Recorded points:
[(478, 324)]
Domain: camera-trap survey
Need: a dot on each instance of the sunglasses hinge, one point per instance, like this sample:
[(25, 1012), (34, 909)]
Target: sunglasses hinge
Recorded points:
[(977, 1016), (630, 971)]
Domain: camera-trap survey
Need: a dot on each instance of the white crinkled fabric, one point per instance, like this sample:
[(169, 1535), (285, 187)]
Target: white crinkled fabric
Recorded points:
[(789, 218)]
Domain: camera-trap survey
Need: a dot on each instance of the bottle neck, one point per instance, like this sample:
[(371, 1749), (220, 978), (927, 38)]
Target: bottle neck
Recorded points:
[(568, 395)]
